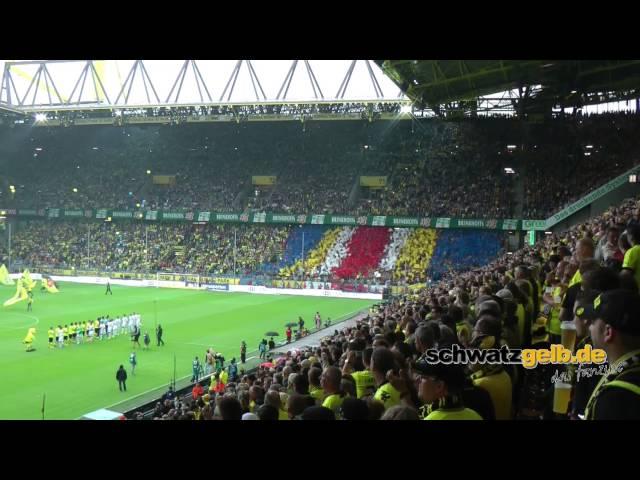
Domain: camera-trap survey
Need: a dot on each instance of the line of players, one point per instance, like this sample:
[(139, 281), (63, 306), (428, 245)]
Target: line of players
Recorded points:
[(103, 328)]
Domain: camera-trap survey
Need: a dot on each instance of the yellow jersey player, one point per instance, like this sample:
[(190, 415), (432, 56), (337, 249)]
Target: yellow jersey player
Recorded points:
[(28, 340), (51, 333)]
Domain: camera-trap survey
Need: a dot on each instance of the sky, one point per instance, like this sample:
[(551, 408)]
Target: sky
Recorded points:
[(214, 73)]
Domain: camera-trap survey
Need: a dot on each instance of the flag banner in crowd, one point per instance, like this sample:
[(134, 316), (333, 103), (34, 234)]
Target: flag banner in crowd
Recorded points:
[(27, 281), (164, 179), (373, 181), (263, 180), (21, 293), (48, 284)]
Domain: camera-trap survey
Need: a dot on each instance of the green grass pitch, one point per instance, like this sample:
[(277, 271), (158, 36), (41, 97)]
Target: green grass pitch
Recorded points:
[(81, 378)]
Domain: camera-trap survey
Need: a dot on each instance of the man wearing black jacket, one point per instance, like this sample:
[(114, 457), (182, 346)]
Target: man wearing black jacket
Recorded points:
[(121, 376), (159, 335)]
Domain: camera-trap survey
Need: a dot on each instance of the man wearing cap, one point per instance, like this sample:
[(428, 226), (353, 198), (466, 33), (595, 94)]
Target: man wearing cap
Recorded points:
[(440, 388), (616, 330), (492, 377), (584, 384)]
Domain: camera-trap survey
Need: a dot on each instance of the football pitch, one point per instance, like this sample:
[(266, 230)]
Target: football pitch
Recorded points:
[(79, 379)]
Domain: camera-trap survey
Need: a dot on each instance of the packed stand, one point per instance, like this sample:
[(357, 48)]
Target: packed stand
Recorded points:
[(318, 166), (382, 369), (576, 158), (135, 247)]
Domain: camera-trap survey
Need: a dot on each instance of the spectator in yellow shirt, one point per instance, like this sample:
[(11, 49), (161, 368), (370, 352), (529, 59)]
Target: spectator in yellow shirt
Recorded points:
[(315, 390), (631, 263), (383, 360), (273, 398), (441, 390), (493, 378), (330, 382)]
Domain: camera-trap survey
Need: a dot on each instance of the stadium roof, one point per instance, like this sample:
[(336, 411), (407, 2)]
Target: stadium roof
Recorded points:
[(542, 84), (47, 85)]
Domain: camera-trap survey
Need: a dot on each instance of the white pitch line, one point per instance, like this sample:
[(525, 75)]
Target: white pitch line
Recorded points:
[(209, 345), (144, 393), (22, 315), (157, 388)]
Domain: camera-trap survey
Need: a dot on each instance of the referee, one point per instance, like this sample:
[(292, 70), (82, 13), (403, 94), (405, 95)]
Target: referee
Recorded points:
[(108, 287)]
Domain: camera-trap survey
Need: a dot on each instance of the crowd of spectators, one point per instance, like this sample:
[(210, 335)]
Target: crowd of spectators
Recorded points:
[(244, 250), (433, 168), (577, 157), (446, 170), (134, 247), (379, 368)]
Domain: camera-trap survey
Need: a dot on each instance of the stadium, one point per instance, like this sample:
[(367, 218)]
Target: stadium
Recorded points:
[(320, 240)]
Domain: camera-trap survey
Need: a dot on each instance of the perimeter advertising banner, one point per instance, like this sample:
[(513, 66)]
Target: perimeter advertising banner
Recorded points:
[(281, 219)]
